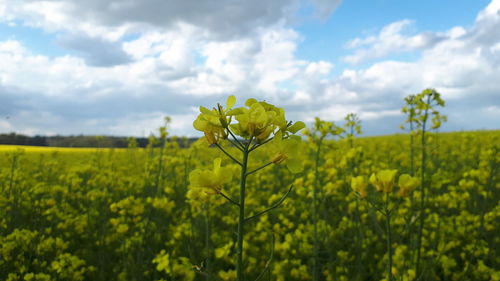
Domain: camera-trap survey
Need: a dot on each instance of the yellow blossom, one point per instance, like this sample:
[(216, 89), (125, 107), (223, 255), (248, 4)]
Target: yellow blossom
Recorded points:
[(383, 180), (359, 184), (286, 151), (407, 184), (211, 181), (213, 123)]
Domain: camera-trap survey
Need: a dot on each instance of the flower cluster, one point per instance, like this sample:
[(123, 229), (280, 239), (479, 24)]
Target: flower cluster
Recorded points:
[(257, 121), (385, 181)]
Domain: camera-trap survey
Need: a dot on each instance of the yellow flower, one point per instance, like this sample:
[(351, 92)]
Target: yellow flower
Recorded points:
[(383, 180), (359, 184), (286, 151), (407, 184), (213, 123), (254, 121), (211, 181)]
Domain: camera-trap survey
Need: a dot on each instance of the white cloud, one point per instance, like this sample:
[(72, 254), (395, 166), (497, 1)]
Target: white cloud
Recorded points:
[(5, 125), (176, 64), (390, 40), (163, 78), (112, 19), (463, 66), (12, 47), (318, 69)]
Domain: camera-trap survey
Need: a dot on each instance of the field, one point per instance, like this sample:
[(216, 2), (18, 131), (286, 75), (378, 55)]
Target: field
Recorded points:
[(130, 214)]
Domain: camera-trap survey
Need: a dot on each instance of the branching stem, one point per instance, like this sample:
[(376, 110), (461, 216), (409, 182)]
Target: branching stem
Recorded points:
[(261, 167), (228, 155), (276, 205), (229, 199)]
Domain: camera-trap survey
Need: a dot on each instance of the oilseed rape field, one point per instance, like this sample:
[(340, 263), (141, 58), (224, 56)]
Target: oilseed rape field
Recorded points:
[(259, 198)]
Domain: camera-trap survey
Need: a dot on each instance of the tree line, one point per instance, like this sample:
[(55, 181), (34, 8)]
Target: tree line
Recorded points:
[(82, 141)]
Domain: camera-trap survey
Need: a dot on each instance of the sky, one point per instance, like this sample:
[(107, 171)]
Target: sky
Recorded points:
[(118, 67)]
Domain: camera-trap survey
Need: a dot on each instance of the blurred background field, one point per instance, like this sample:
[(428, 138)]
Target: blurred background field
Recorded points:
[(129, 214)]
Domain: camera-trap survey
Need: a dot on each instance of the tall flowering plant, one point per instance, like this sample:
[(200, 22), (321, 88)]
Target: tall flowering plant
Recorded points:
[(247, 128)]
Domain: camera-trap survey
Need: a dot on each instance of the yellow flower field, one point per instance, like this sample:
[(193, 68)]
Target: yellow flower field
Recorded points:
[(346, 208)]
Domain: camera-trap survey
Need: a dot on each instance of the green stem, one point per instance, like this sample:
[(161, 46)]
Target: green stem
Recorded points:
[(276, 205), (241, 221), (229, 155), (422, 191), (160, 168), (314, 213), (389, 237), (208, 246), (412, 161), (240, 145), (261, 167), (351, 136), (228, 198), (257, 145), (12, 171)]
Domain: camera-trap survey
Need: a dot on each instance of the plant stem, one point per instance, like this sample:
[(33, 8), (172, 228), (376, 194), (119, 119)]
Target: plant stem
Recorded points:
[(160, 167), (261, 167), (412, 162), (422, 190), (229, 155), (241, 222), (257, 145), (208, 246), (389, 237), (240, 145), (314, 213), (276, 205), (228, 198)]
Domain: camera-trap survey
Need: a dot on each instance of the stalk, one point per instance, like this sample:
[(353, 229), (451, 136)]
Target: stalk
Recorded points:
[(11, 193), (241, 222), (351, 136), (412, 141), (12, 171), (208, 243), (389, 237), (315, 216), (160, 168), (422, 190)]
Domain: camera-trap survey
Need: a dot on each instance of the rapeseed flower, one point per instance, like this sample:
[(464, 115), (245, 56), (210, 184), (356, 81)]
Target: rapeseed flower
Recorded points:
[(383, 180), (213, 123), (255, 121), (407, 184), (359, 184), (211, 181), (286, 151)]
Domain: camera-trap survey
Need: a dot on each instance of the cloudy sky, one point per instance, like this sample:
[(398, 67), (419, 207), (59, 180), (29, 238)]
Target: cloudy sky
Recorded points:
[(117, 67)]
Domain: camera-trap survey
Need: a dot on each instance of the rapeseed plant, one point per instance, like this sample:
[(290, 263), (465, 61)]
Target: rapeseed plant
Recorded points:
[(317, 134), (421, 107), (384, 182), (257, 124)]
